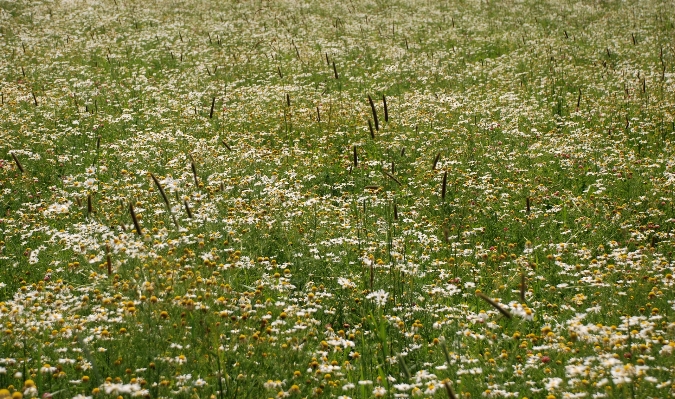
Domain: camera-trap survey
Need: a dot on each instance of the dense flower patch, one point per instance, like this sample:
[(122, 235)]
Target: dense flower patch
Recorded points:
[(336, 199)]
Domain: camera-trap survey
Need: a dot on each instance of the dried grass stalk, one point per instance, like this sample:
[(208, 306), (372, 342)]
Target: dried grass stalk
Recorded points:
[(527, 205), (135, 219), (438, 157), (392, 178), (18, 163), (372, 108), (194, 172), (448, 389), (108, 261), (386, 110), (495, 305), (161, 190)]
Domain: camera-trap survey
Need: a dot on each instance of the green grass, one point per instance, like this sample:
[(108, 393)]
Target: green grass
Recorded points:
[(300, 272)]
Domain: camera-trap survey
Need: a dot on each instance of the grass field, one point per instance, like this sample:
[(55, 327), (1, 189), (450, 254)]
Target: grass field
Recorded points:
[(339, 199)]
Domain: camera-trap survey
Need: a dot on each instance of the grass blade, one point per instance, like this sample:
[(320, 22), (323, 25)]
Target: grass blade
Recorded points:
[(446, 354)]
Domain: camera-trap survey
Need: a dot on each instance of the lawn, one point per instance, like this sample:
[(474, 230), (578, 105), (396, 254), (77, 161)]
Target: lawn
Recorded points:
[(338, 199)]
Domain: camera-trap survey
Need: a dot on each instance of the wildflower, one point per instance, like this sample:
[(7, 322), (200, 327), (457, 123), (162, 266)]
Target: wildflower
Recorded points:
[(348, 386), (30, 391), (117, 389), (379, 297), (345, 282), (273, 384), (431, 388), (553, 383), (294, 389), (422, 375), (47, 369), (379, 392)]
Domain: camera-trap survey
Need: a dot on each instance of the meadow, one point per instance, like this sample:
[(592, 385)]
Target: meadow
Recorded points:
[(339, 199)]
